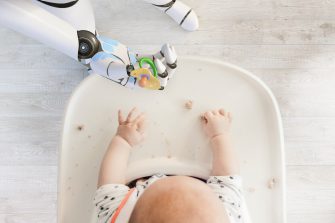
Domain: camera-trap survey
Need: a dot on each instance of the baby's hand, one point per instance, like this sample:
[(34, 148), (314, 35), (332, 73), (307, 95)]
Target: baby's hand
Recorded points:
[(133, 128), (216, 122)]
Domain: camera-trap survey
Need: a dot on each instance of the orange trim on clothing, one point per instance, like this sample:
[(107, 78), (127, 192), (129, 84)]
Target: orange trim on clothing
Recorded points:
[(123, 203)]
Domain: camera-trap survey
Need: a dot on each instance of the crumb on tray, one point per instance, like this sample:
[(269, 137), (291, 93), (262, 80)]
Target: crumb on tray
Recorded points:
[(271, 183), (188, 104), (80, 127)]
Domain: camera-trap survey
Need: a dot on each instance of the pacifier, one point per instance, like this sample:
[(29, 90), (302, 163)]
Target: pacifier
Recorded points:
[(146, 78)]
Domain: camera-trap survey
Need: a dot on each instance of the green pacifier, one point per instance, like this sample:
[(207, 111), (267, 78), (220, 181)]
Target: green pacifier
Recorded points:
[(151, 64)]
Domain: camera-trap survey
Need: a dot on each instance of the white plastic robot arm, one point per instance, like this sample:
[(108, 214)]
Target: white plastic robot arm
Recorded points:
[(122, 66), (111, 67), (78, 13), (50, 23), (27, 18), (179, 12)]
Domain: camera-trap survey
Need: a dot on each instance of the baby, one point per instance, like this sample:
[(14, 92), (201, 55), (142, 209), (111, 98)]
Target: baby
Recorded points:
[(175, 199)]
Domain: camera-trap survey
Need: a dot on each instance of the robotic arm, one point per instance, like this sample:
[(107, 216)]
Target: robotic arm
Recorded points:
[(116, 62), (29, 19), (68, 27), (113, 60)]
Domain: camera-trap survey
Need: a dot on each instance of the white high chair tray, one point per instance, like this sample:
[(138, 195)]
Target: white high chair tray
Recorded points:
[(175, 142)]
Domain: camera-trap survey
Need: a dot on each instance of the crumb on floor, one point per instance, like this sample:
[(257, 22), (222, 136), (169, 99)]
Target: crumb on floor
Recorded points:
[(188, 104)]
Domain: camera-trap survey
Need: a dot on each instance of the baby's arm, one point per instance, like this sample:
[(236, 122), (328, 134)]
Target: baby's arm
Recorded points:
[(130, 132), (225, 180), (216, 124)]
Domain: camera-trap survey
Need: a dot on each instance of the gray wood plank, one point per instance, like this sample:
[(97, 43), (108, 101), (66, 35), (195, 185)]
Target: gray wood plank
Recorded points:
[(27, 129), (310, 218), (33, 104), (314, 178), (311, 202), (29, 217), (39, 81), (36, 57), (28, 189), (317, 153)]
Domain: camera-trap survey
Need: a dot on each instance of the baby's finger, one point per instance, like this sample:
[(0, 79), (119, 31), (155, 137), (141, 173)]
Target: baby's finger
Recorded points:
[(141, 126), (120, 117), (203, 122), (203, 119), (222, 111), (131, 114), (214, 112), (139, 117), (208, 115)]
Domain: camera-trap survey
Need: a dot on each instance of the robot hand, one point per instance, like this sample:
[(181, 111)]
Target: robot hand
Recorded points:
[(115, 62), (165, 63)]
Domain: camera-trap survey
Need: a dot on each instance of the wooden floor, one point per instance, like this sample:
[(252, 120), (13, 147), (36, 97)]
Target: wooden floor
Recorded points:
[(290, 44)]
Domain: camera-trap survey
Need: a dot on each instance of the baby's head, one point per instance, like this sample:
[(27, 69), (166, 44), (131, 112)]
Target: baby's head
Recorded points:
[(178, 199)]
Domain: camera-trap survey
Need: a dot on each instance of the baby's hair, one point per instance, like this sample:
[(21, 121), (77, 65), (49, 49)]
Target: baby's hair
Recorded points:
[(178, 199)]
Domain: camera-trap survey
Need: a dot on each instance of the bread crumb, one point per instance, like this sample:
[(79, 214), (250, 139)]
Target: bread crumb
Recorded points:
[(80, 127), (189, 104), (271, 183)]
